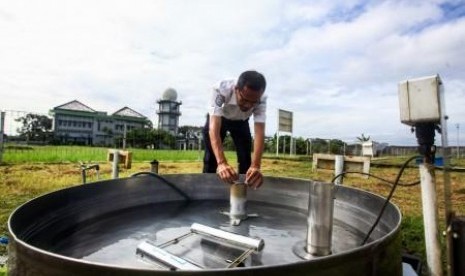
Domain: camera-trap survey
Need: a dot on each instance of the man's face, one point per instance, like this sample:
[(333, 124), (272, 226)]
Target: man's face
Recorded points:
[(247, 98)]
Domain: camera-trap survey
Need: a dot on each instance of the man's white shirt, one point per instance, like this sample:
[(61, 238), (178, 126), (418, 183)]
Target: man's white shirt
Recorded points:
[(224, 103)]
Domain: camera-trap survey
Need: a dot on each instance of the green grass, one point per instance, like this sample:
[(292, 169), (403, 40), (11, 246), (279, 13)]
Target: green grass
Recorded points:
[(412, 233), (74, 154), (28, 172)]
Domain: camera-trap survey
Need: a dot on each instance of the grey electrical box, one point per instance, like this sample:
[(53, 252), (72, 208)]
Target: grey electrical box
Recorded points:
[(420, 100)]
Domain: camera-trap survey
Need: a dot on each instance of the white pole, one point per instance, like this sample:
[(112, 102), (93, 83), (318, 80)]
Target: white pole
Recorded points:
[(338, 168), (430, 219), (2, 131), (277, 143), (124, 136), (291, 145), (200, 147), (311, 147), (446, 154), (458, 146), (284, 145), (307, 147), (277, 134), (114, 170)]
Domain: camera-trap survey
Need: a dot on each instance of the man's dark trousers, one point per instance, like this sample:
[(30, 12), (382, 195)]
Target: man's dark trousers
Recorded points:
[(240, 134)]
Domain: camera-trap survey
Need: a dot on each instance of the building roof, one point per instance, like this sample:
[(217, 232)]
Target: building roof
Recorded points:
[(76, 106), (128, 112)]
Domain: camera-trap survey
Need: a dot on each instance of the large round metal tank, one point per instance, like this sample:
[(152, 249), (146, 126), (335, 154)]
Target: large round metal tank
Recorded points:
[(92, 229)]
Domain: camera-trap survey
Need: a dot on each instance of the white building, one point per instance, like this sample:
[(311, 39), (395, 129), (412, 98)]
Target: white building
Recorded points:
[(76, 123)]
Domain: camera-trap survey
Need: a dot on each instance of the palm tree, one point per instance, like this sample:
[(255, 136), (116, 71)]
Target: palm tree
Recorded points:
[(363, 138)]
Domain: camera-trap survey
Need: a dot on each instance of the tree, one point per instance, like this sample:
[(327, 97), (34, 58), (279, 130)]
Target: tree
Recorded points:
[(35, 127), (143, 137), (363, 138)]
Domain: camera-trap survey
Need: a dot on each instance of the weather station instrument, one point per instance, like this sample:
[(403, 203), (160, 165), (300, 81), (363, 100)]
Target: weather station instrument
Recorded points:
[(422, 107)]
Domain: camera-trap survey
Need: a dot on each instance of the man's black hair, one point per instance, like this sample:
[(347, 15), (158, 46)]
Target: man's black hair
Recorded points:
[(253, 80)]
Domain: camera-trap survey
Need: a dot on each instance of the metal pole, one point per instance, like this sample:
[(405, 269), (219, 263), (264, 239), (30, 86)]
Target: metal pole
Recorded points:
[(291, 145), (430, 219), (284, 145), (277, 134), (115, 169), (311, 147), (200, 148), (458, 147), (97, 171), (154, 166), (338, 169), (307, 147), (277, 143), (83, 173), (124, 136), (2, 131), (446, 154), (425, 133), (458, 235)]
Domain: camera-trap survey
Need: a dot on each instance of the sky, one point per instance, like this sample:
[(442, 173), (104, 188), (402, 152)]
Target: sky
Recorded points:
[(335, 64)]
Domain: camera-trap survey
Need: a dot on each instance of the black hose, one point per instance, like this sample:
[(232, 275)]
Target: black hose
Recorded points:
[(376, 177), (171, 185), (396, 182)]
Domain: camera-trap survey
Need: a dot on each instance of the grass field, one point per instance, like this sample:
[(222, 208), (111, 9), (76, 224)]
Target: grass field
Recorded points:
[(28, 173), (60, 154)]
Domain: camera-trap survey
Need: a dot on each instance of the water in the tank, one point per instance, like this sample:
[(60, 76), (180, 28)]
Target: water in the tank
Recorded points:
[(113, 238)]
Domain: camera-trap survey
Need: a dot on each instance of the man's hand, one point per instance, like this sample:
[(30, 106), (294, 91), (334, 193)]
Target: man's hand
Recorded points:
[(254, 177), (227, 173)]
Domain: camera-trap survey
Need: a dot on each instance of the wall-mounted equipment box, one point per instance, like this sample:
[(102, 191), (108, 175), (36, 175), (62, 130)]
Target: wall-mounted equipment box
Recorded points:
[(420, 100)]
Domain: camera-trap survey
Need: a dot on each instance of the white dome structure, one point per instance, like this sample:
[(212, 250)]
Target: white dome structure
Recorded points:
[(170, 95), (169, 111)]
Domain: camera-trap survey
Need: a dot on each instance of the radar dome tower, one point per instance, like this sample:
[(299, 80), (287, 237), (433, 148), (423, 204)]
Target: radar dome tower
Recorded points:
[(168, 111)]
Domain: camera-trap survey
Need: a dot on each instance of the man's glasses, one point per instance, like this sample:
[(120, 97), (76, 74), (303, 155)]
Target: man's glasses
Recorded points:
[(243, 100)]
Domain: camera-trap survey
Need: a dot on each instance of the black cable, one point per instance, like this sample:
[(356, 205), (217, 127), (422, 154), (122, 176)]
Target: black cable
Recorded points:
[(171, 185), (396, 182), (376, 177)]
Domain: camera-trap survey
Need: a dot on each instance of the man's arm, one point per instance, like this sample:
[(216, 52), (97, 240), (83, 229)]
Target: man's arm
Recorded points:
[(225, 171), (258, 145), (253, 176), (214, 133)]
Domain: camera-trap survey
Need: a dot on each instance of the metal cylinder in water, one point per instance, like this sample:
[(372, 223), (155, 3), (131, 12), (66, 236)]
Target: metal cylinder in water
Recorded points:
[(238, 201), (320, 218), (243, 241)]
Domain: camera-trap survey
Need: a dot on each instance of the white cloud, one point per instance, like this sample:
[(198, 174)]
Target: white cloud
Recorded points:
[(336, 64)]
